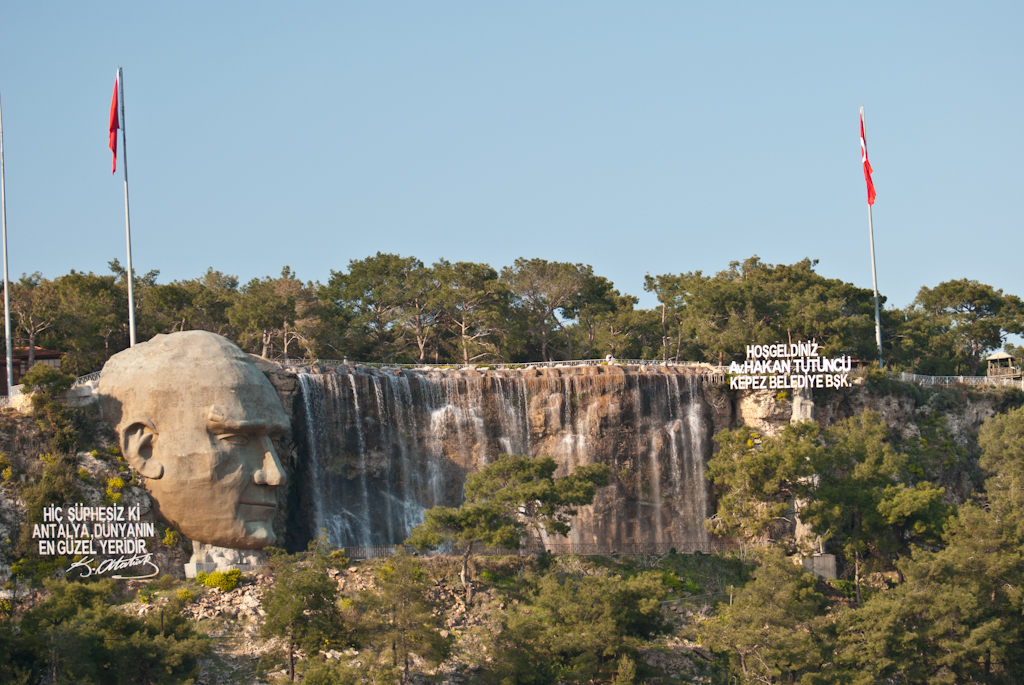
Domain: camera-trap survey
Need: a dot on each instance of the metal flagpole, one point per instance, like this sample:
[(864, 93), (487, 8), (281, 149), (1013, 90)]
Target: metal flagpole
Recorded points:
[(874, 283), (127, 216), (7, 284), (874, 277)]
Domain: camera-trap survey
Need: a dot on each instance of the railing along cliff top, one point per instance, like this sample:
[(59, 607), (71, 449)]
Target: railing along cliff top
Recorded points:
[(715, 374), (501, 366), (711, 373), (709, 546), (957, 380)]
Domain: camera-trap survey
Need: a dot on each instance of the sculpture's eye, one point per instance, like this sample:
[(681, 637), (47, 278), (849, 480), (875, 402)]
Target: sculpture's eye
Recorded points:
[(234, 438)]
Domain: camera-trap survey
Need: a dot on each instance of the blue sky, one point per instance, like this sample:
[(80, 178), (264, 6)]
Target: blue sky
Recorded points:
[(636, 137)]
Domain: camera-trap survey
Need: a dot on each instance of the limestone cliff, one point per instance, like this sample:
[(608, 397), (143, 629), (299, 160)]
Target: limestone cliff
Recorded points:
[(372, 448)]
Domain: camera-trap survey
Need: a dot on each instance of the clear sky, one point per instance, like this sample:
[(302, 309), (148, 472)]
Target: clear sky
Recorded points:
[(653, 137)]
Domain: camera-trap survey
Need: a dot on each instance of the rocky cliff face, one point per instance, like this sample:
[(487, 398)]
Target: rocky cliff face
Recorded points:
[(371, 449), (376, 447)]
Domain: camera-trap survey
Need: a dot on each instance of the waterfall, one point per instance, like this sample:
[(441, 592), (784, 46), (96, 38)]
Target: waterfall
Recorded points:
[(382, 446)]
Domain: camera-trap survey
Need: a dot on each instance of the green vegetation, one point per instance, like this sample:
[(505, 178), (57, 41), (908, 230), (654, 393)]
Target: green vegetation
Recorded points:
[(225, 581), (302, 605), (951, 612), (78, 635), (577, 628), (858, 489), (504, 501), (766, 633), (398, 619), (930, 592), (390, 308)]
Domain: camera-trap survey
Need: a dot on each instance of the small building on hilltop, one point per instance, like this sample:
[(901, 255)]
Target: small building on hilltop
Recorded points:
[(1003, 365)]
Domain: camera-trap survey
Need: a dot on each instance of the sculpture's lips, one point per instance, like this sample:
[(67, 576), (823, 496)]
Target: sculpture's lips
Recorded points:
[(269, 505)]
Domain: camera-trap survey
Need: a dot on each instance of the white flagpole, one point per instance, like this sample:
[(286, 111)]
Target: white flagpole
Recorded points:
[(127, 216), (7, 284), (874, 277), (874, 283)]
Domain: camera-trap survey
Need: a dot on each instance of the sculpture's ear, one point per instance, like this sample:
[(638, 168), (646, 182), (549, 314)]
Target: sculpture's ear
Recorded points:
[(137, 439)]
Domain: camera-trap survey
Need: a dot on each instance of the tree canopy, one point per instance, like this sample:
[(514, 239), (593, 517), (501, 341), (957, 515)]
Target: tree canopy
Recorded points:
[(853, 484), (507, 500), (394, 308)]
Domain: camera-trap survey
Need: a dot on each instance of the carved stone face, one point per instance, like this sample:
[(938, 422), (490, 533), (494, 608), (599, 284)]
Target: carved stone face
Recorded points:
[(199, 421)]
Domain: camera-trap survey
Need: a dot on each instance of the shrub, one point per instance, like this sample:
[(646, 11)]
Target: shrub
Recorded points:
[(626, 674), (185, 595), (47, 380), (226, 581), (170, 538), (113, 494), (83, 474), (671, 581), (78, 634), (166, 582)]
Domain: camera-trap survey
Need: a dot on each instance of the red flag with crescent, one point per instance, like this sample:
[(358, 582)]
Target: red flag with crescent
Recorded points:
[(115, 125), (864, 158)]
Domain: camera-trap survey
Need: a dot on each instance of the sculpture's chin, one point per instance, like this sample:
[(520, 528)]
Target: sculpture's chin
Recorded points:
[(258, 535), (251, 535)]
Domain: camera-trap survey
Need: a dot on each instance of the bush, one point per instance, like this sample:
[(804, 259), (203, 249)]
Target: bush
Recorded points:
[(185, 595), (77, 635), (47, 381), (626, 674), (113, 494), (671, 581), (166, 582), (606, 617), (226, 581), (170, 538)]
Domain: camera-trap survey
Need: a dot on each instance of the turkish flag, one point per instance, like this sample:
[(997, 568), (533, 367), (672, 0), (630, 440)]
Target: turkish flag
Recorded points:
[(115, 124), (864, 158)]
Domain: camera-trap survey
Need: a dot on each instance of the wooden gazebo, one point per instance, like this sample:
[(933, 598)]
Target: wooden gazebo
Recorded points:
[(1002, 365)]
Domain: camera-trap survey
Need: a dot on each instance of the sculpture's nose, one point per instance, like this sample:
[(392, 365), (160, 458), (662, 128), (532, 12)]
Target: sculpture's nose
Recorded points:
[(272, 472)]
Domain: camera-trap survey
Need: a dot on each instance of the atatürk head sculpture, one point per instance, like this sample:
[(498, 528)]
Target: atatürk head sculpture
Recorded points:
[(197, 418)]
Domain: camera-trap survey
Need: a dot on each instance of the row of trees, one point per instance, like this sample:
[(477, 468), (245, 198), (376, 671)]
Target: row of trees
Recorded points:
[(581, 627), (871, 500), (952, 612), (393, 308), (79, 635)]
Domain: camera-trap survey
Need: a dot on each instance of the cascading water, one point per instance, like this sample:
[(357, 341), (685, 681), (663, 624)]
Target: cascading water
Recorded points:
[(381, 446)]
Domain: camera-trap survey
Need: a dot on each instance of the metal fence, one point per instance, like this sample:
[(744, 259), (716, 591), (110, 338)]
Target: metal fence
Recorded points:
[(499, 366), (87, 378), (957, 380), (568, 548), (711, 374)]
